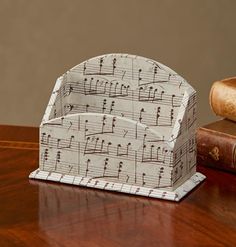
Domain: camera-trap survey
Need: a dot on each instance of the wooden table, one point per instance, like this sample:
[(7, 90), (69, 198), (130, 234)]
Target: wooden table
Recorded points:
[(35, 213)]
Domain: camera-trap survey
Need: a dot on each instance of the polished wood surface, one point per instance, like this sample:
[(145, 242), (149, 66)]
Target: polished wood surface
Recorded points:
[(38, 213)]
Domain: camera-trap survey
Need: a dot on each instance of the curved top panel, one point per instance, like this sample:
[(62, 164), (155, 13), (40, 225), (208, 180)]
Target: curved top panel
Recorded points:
[(137, 71), (125, 85)]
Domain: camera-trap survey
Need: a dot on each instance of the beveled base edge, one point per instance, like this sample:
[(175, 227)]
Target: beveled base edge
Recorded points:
[(95, 183)]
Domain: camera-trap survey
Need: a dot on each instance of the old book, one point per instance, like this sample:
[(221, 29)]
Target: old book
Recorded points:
[(216, 144), (222, 98)]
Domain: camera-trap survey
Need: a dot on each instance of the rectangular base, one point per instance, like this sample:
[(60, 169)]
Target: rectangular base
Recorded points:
[(175, 195)]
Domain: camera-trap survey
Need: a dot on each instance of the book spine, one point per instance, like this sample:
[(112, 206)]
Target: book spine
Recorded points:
[(216, 149)]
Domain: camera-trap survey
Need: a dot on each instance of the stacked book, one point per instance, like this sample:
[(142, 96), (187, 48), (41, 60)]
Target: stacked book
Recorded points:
[(216, 142)]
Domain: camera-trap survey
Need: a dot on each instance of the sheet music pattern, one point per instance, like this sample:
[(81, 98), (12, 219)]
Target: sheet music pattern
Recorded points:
[(122, 119)]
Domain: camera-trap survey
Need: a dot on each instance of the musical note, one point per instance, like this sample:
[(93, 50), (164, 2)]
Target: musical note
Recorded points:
[(163, 194), (105, 166), (158, 115), (173, 101), (55, 113), (87, 167), (139, 76), (100, 68), (67, 89), (66, 144), (45, 155), (191, 145), (58, 158), (150, 95), (160, 176), (84, 70), (96, 146), (141, 114), (118, 90), (68, 108), (86, 107), (151, 154), (178, 172), (125, 152), (104, 105), (164, 120), (58, 142), (111, 107), (105, 127), (43, 138), (119, 168), (114, 66), (143, 179), (154, 74)]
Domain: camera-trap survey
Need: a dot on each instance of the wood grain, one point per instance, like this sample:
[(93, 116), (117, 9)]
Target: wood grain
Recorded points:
[(34, 213)]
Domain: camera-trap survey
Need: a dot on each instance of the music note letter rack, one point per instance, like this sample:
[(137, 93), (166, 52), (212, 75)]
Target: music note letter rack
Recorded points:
[(122, 123)]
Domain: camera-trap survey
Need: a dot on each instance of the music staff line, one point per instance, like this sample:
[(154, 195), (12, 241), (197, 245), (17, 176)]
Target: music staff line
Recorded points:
[(189, 104), (136, 190), (139, 131), (157, 76), (171, 119), (143, 179), (158, 155), (166, 120), (184, 149), (193, 102), (119, 130), (105, 166), (141, 116), (113, 91), (177, 159)]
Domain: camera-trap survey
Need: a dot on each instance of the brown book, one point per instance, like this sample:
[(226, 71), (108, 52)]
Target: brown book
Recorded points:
[(216, 145), (222, 98)]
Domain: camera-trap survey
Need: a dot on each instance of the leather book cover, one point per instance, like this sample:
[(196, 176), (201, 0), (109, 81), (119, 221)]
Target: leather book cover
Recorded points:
[(216, 145), (222, 98)]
